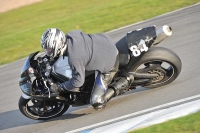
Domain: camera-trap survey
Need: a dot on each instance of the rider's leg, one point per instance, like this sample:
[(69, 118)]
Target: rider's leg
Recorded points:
[(98, 98), (101, 95), (103, 91)]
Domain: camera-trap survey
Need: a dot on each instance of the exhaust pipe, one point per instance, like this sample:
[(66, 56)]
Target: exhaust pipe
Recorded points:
[(162, 33)]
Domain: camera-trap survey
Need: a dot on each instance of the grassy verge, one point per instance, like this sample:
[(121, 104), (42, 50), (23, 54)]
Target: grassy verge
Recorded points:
[(21, 29), (187, 124)]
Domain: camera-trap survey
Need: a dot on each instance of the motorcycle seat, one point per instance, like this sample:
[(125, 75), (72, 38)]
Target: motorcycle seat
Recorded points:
[(124, 56)]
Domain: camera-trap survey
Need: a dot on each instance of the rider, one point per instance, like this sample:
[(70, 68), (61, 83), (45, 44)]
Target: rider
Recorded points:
[(85, 52)]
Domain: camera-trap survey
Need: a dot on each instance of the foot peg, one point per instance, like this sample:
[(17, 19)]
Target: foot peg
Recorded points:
[(121, 85)]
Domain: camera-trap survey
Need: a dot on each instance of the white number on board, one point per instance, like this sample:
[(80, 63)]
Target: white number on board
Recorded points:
[(136, 50)]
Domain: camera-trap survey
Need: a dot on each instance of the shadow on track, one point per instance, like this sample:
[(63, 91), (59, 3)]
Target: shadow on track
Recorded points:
[(14, 118)]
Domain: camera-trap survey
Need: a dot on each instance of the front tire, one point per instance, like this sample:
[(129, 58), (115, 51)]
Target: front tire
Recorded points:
[(152, 63), (40, 109)]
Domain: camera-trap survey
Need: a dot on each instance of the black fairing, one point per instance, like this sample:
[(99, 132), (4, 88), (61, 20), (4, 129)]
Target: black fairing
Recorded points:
[(25, 82), (28, 63), (126, 57)]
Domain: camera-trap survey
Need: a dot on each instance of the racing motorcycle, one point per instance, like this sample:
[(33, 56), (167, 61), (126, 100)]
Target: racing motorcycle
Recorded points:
[(151, 67)]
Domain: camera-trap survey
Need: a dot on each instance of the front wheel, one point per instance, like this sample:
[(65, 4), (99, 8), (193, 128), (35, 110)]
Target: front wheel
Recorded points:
[(41, 109), (161, 61)]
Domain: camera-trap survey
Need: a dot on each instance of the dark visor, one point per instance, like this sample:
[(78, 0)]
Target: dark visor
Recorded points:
[(49, 51)]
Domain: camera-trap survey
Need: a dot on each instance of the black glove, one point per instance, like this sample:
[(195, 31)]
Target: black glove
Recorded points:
[(56, 88), (64, 88)]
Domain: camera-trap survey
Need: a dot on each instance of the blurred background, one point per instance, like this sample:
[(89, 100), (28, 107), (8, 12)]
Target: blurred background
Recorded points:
[(22, 22)]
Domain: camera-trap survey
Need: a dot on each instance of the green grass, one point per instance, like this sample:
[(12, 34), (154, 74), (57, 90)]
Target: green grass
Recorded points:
[(187, 124), (21, 29)]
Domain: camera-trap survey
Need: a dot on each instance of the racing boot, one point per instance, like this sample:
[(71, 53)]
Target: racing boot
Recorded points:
[(100, 93)]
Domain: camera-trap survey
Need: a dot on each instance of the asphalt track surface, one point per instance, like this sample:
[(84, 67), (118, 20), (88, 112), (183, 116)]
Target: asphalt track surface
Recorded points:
[(184, 41)]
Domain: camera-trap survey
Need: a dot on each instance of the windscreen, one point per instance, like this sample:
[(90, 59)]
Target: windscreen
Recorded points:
[(26, 65)]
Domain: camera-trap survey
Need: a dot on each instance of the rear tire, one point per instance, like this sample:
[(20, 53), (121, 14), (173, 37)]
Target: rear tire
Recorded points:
[(156, 56), (31, 111)]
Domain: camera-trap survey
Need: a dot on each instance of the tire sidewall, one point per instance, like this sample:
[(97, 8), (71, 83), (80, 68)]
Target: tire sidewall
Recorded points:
[(22, 107), (161, 54)]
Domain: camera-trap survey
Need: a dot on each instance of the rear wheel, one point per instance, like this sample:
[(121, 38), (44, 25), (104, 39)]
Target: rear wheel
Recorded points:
[(41, 109), (161, 61)]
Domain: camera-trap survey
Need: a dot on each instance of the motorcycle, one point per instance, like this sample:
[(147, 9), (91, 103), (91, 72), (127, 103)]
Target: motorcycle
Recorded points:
[(151, 67)]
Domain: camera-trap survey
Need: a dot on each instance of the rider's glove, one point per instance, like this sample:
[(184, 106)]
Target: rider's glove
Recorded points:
[(63, 86), (56, 88)]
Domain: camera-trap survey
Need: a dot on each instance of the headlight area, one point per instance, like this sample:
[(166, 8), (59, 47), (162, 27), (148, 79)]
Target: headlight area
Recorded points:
[(26, 81), (26, 88)]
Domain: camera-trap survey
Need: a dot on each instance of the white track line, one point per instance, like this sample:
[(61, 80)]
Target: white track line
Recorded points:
[(137, 113), (148, 119)]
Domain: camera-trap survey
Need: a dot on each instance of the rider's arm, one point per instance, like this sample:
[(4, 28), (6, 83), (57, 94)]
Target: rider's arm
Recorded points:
[(78, 75)]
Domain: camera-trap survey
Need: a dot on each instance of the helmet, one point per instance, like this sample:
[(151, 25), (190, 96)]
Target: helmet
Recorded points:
[(53, 41)]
